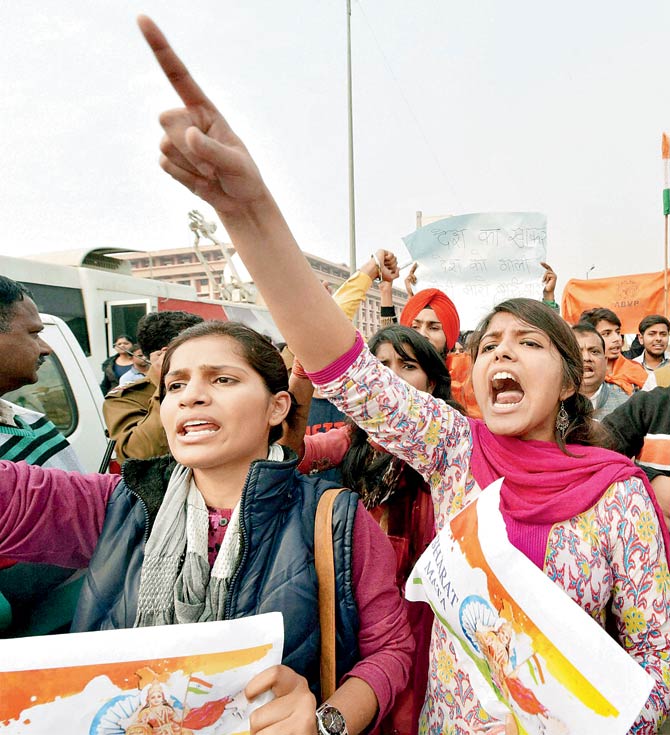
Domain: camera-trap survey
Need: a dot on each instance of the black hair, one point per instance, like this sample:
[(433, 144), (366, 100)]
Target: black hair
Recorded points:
[(601, 314), (158, 328), (259, 352), (588, 328), (371, 473), (650, 321), (425, 355), (462, 339), (582, 429), (11, 292)]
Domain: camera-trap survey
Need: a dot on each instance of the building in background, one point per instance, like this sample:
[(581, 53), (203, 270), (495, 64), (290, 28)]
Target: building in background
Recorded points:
[(182, 266)]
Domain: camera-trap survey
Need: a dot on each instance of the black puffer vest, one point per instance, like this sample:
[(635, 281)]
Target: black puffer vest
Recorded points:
[(276, 570)]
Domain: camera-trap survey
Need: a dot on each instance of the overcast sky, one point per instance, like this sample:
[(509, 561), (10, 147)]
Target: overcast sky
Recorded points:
[(458, 107)]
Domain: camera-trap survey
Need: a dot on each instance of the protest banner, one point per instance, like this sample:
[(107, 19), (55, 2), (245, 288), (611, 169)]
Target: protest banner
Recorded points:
[(529, 650), (630, 297), (178, 678), (479, 260)]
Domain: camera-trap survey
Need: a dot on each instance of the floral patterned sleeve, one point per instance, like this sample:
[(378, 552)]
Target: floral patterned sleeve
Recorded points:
[(425, 432), (640, 590)]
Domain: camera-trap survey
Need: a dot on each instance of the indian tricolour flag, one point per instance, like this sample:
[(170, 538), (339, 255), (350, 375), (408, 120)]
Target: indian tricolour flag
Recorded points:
[(198, 686), (665, 151)]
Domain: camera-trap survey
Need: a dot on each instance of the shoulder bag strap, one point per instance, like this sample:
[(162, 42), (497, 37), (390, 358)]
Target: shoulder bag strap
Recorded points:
[(325, 574)]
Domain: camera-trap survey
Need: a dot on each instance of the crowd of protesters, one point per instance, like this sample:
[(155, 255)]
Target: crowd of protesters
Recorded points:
[(214, 514)]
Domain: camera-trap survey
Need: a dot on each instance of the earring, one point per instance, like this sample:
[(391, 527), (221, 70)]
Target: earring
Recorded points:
[(562, 420)]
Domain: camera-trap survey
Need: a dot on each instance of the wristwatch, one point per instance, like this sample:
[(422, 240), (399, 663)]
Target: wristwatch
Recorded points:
[(329, 721)]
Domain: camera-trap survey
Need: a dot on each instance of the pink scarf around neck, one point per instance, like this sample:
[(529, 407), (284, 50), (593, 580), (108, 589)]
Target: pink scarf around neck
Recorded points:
[(544, 486)]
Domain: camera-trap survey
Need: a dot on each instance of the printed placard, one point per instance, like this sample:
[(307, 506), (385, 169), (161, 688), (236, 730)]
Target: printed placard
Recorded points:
[(181, 679)]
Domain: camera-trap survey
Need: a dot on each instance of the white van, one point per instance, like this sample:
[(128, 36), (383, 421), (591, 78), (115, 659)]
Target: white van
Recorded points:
[(68, 393), (98, 298)]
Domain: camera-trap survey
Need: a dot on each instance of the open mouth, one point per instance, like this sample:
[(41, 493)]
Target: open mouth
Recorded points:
[(198, 427), (506, 390)]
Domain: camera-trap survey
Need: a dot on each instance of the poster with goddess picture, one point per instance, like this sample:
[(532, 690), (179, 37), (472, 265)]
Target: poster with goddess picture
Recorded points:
[(537, 662), (186, 679)]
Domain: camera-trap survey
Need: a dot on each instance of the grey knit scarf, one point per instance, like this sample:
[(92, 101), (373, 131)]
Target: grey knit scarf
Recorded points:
[(176, 584)]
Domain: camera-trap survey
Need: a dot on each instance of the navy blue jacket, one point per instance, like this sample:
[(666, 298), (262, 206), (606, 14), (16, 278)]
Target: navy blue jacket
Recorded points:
[(276, 570)]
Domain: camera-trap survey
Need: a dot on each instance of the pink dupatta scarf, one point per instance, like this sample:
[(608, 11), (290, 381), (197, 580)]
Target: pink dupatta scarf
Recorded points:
[(544, 486)]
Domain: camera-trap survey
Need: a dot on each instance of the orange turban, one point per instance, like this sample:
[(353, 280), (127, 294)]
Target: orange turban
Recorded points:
[(441, 304)]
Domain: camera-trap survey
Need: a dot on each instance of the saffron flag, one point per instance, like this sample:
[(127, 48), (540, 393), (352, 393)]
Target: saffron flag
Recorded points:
[(207, 715), (630, 297), (665, 152)]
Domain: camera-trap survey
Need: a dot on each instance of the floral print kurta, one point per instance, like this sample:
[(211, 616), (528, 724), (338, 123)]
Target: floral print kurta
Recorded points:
[(611, 556)]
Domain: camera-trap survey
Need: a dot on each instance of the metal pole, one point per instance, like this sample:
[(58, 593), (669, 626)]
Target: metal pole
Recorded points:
[(665, 272), (352, 206)]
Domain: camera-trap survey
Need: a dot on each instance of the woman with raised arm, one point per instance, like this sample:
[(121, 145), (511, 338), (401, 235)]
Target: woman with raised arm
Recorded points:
[(225, 531), (582, 514)]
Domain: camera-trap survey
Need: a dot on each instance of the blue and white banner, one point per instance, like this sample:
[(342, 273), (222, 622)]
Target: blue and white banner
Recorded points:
[(479, 260)]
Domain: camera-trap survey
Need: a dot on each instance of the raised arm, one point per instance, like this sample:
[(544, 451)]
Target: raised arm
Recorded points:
[(351, 294), (201, 151), (410, 280), (549, 279), (294, 428)]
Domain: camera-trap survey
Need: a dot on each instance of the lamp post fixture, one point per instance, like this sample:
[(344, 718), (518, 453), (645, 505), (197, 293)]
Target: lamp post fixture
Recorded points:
[(223, 291)]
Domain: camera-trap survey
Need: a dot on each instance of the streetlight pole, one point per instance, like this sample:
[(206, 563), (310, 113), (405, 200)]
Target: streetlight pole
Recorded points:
[(352, 206), (588, 271)]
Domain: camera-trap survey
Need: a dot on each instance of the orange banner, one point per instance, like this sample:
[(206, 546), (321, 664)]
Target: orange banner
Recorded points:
[(630, 297)]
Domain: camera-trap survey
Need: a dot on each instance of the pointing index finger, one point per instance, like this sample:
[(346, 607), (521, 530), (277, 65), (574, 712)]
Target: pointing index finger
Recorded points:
[(173, 67)]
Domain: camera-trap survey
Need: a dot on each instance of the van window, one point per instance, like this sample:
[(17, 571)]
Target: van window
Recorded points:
[(122, 318), (51, 395), (66, 303)]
